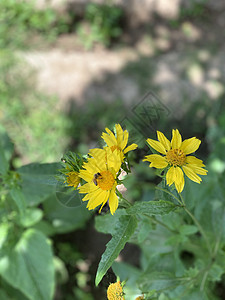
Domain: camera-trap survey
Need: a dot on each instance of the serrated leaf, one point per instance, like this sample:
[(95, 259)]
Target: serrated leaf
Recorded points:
[(150, 208), (123, 231), (28, 267), (107, 223)]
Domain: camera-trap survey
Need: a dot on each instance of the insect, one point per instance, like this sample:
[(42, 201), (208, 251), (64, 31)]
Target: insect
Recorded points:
[(96, 176)]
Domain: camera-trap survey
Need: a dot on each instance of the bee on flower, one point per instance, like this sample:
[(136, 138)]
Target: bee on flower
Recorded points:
[(175, 157), (100, 174)]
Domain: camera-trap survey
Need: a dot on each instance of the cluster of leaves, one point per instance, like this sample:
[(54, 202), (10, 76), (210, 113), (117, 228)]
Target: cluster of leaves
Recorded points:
[(182, 247), (31, 211), (104, 24), (20, 19)]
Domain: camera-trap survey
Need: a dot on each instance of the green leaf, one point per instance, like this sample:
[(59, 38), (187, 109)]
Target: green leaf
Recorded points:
[(6, 143), (123, 231), (28, 267), (3, 295), (107, 223), (63, 218), (130, 274), (188, 229), (30, 217), (38, 181), (150, 208), (160, 281), (18, 198), (4, 166)]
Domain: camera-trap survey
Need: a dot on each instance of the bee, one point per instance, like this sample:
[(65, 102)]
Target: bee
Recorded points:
[(96, 176)]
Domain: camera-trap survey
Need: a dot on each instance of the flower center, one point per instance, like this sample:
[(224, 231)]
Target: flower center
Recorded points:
[(73, 179), (115, 291), (176, 157), (114, 147), (105, 180)]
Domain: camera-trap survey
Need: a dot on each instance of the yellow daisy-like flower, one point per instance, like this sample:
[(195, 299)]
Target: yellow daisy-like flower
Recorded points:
[(72, 179), (175, 156), (115, 291), (100, 172), (119, 141)]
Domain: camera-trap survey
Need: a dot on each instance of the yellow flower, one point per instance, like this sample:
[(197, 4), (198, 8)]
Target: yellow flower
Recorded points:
[(115, 291), (72, 179), (140, 297), (175, 156), (119, 141), (100, 174)]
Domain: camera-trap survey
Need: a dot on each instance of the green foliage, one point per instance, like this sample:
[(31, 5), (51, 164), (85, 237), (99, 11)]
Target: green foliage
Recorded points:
[(181, 239), (20, 19), (124, 228), (29, 266), (103, 24), (30, 211), (151, 208)]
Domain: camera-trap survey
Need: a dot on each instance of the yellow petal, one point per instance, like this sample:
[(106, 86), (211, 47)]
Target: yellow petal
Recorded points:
[(179, 181), (190, 145), (197, 169), (113, 159), (191, 174), (170, 176), (125, 139), (84, 174), (91, 166), (98, 199), (163, 140), (176, 139), (99, 159), (113, 202), (109, 138), (157, 161), (194, 161), (130, 148), (89, 187), (119, 134), (157, 146)]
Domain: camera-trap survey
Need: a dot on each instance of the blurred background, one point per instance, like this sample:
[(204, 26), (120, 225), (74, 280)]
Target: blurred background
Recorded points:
[(70, 68)]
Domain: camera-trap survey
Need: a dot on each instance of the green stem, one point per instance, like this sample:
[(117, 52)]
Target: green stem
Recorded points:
[(171, 194), (201, 230), (160, 223), (124, 200)]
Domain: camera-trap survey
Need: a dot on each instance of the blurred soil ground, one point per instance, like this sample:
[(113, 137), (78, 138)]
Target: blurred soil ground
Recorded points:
[(179, 61)]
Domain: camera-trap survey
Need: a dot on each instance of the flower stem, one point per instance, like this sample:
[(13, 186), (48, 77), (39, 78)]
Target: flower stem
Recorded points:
[(171, 194), (128, 204), (201, 230), (160, 223)]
